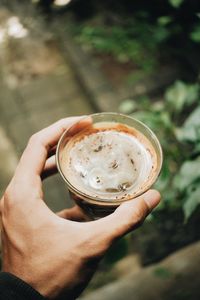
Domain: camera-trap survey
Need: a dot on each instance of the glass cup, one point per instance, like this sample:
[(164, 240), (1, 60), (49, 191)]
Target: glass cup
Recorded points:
[(120, 148)]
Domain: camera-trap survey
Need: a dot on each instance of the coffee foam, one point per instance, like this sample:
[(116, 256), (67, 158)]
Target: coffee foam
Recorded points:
[(108, 161)]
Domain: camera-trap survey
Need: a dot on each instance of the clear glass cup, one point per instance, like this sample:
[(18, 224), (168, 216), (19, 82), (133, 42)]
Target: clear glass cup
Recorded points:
[(96, 206)]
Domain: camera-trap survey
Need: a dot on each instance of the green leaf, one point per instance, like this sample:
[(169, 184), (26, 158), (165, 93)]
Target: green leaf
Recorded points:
[(188, 174), (181, 94), (146, 117), (164, 20), (192, 202), (160, 34), (190, 130), (127, 106), (195, 34), (164, 177), (176, 3), (154, 119)]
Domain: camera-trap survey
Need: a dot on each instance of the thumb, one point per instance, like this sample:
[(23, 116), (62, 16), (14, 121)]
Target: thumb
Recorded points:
[(128, 216)]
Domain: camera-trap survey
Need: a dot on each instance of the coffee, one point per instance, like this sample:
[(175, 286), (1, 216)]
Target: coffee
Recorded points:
[(108, 162)]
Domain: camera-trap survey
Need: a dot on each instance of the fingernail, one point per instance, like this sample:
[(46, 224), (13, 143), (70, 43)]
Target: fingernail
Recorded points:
[(152, 198)]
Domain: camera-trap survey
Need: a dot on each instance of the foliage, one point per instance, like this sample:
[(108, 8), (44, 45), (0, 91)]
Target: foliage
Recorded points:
[(181, 95), (135, 31), (190, 130), (127, 42), (120, 42), (176, 3), (180, 176), (195, 34), (188, 179)]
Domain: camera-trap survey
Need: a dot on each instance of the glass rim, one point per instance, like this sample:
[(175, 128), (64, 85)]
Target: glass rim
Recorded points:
[(111, 202)]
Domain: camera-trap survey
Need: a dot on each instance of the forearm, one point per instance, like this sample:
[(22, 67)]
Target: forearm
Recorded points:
[(13, 288)]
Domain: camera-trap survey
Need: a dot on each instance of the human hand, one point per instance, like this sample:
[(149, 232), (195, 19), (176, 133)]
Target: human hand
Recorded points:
[(56, 254)]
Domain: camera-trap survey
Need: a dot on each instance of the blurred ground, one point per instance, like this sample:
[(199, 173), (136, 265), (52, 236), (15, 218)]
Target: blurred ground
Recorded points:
[(38, 87), (167, 280)]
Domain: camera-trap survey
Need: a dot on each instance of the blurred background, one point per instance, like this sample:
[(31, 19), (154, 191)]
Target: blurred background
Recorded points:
[(61, 58)]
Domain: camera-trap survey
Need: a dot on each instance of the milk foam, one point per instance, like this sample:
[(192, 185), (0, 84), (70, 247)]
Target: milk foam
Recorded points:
[(109, 164)]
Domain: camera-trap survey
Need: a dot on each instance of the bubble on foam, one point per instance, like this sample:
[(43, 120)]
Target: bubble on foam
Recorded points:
[(108, 163)]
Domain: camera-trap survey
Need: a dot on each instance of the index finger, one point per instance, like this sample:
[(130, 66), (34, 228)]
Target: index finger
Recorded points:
[(34, 156)]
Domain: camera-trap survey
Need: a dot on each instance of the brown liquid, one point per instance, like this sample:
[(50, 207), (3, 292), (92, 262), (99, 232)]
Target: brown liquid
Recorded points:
[(97, 182)]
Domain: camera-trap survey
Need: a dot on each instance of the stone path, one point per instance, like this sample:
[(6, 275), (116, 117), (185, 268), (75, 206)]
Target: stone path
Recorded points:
[(27, 105)]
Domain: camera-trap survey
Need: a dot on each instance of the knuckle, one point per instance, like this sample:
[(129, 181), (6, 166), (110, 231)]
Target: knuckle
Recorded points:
[(7, 194), (140, 213), (35, 138), (134, 216), (10, 197), (8, 202), (64, 123), (61, 122)]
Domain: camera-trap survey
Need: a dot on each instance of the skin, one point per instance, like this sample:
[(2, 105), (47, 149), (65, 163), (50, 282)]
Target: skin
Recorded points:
[(57, 254)]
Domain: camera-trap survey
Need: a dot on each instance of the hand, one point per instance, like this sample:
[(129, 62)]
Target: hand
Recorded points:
[(55, 254)]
